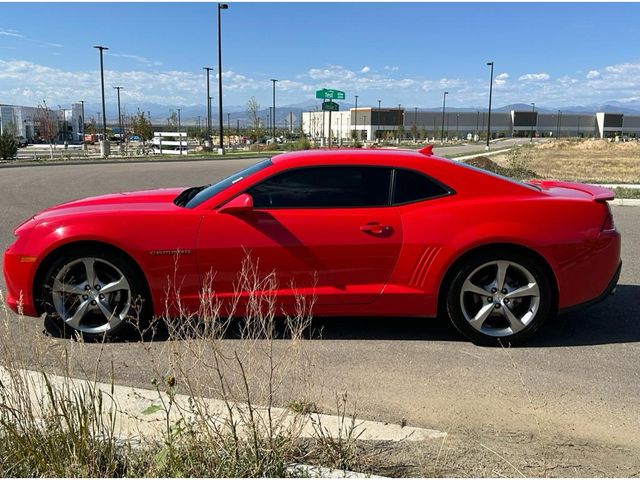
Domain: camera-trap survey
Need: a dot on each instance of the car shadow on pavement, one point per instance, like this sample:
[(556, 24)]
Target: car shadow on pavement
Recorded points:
[(615, 320)]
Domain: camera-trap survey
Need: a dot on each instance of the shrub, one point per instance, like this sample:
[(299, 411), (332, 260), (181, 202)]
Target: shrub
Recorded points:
[(8, 146)]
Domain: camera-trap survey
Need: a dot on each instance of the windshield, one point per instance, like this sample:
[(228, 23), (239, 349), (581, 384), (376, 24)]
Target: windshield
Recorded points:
[(194, 196)]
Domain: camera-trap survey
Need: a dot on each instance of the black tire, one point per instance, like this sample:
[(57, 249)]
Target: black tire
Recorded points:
[(469, 308), (135, 316)]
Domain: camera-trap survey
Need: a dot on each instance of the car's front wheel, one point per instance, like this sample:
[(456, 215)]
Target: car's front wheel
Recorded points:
[(93, 293), (499, 298)]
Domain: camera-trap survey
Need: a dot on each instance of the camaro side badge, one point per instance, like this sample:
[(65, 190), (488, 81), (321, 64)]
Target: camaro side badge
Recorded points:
[(177, 251)]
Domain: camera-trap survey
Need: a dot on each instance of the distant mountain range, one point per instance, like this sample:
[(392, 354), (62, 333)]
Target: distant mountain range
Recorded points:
[(189, 113)]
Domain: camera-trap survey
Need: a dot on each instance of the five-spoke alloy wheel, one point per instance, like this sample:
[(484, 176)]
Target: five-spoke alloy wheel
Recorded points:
[(499, 298), (92, 293)]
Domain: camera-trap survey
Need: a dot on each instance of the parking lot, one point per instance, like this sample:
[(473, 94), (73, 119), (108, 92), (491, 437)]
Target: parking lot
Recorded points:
[(573, 393)]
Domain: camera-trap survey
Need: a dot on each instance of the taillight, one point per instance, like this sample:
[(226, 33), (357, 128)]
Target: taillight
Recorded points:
[(608, 219)]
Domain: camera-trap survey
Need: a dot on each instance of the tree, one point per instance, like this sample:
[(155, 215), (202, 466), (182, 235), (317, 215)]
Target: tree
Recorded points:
[(91, 127), (253, 109), (172, 120), (198, 133), (400, 132), (47, 123), (8, 145), (422, 133), (142, 126)]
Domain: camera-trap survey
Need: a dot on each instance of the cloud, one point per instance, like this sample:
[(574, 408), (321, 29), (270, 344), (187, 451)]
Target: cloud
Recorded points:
[(593, 74), (11, 33), (391, 69), (534, 77), (365, 70), (501, 79), (137, 58)]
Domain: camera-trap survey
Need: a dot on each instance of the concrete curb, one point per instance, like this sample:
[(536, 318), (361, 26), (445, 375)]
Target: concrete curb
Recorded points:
[(311, 471), (131, 402), (626, 202), (487, 154), (124, 161)]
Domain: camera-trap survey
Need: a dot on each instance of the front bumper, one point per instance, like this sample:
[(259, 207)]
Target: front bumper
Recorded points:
[(19, 271)]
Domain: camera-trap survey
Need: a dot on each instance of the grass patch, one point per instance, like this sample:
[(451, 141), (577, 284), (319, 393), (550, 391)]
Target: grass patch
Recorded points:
[(623, 192)]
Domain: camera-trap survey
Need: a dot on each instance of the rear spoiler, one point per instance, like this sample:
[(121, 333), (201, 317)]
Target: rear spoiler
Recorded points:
[(599, 194)]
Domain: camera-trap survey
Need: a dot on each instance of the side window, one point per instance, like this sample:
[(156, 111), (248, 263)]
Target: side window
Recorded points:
[(324, 187), (412, 186)]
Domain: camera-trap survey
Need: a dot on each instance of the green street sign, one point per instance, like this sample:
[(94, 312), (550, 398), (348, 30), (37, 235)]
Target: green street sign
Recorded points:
[(328, 94), (330, 106)]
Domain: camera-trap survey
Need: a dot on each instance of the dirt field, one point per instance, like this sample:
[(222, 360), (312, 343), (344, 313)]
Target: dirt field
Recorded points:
[(582, 161)]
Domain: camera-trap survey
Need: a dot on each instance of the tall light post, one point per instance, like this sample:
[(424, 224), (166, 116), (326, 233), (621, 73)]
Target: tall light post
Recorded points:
[(356, 115), (444, 103), (179, 137), (119, 117), (83, 121), (558, 124), (104, 115), (378, 128), (221, 6), (208, 69), (273, 112), (533, 110), (490, 95)]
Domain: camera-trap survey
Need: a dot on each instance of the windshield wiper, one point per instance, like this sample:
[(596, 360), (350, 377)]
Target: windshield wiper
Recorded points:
[(185, 196)]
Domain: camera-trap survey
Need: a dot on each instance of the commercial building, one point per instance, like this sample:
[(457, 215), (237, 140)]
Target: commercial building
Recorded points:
[(34, 123), (372, 123)]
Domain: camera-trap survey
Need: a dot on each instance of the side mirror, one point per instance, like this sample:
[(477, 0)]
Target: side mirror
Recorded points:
[(239, 204)]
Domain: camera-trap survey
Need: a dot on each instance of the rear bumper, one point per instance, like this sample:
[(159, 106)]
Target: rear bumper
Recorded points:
[(18, 277), (610, 290)]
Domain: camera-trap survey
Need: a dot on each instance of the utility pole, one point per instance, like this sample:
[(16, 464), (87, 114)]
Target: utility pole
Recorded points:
[(490, 94), (120, 118), (444, 102), (221, 6), (273, 122), (104, 149), (208, 69), (356, 115), (84, 121)]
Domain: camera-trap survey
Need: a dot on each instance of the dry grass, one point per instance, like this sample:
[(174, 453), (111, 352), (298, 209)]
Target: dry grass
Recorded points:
[(73, 430), (589, 161)]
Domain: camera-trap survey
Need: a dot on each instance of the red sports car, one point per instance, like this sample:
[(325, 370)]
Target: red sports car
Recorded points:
[(366, 232)]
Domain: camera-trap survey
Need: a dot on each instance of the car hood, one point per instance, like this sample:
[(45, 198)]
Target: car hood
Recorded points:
[(144, 200)]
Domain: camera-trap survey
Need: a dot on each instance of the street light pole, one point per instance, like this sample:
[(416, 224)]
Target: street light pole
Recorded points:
[(378, 130), (208, 69), (533, 109), (104, 115), (83, 121), (273, 112), (221, 6), (444, 103), (356, 115), (119, 117), (490, 95)]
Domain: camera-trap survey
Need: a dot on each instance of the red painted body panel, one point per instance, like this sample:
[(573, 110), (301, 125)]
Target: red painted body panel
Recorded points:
[(324, 251)]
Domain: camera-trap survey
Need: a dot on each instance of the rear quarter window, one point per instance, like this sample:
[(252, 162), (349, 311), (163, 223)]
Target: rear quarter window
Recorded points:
[(411, 186)]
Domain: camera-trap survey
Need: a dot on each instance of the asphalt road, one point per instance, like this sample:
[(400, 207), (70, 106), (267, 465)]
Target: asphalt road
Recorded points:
[(575, 389)]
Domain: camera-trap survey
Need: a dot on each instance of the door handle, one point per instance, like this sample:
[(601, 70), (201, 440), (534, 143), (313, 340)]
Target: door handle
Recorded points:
[(375, 228)]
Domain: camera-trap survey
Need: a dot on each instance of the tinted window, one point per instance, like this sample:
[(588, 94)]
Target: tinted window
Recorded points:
[(326, 187), (197, 195), (412, 186)]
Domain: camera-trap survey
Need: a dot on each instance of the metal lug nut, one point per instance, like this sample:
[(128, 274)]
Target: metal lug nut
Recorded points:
[(490, 299), (496, 305), (85, 297), (101, 297), (506, 300), (504, 291), (494, 290), (98, 287), (93, 302), (87, 287)]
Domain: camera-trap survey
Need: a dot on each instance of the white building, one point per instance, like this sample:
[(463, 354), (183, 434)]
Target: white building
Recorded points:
[(68, 122)]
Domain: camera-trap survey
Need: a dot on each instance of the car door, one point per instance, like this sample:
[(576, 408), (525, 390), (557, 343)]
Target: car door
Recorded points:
[(328, 231)]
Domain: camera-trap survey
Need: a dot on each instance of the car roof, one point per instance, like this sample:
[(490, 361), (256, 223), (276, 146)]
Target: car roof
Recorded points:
[(370, 156)]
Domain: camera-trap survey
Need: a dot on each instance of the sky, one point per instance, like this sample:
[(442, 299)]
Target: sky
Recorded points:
[(553, 54)]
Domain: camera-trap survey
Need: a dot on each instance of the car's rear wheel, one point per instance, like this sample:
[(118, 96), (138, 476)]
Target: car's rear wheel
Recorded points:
[(93, 293), (500, 299)]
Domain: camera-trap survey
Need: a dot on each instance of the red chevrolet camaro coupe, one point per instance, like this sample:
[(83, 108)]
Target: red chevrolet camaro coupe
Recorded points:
[(366, 232)]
